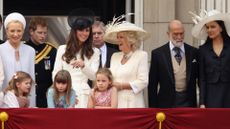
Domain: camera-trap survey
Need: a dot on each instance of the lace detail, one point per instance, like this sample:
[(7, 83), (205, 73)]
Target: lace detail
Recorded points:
[(103, 98)]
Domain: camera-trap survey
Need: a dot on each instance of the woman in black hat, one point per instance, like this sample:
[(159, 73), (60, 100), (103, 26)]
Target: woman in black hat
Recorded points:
[(78, 56)]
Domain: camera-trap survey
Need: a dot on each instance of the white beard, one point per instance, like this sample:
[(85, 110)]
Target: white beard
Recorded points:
[(177, 44)]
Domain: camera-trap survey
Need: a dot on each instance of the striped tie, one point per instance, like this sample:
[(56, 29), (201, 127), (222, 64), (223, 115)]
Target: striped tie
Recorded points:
[(177, 55)]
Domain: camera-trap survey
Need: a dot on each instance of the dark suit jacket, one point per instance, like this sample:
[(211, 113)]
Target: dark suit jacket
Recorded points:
[(161, 72), (213, 70), (109, 53)]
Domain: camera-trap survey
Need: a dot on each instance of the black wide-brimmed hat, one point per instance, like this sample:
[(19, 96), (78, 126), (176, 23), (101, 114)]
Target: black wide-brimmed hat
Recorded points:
[(81, 18)]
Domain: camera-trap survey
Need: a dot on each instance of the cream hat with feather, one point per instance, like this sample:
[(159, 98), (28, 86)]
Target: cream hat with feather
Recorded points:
[(199, 30), (118, 26)]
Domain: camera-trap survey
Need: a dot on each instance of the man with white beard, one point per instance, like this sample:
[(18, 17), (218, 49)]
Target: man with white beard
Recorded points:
[(174, 67)]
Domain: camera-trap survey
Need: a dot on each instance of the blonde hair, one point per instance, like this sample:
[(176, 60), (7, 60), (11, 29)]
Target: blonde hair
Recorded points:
[(15, 21), (18, 77), (107, 73), (62, 76), (133, 39)]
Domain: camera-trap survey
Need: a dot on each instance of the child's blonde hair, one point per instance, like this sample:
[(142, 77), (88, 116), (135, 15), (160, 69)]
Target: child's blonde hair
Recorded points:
[(63, 76), (18, 77), (107, 73)]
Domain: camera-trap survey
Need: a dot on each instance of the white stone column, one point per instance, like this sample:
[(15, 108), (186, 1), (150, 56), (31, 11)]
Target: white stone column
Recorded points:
[(138, 7), (128, 9), (1, 12), (157, 15)]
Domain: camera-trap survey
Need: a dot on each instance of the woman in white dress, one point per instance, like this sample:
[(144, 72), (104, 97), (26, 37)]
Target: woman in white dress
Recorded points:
[(16, 56), (78, 56), (130, 66)]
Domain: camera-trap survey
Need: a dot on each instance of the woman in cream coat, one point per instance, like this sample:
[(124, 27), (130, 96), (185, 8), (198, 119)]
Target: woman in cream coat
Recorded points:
[(130, 66), (15, 55), (78, 57)]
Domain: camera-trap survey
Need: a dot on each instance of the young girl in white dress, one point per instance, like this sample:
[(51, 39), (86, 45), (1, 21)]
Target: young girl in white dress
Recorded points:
[(16, 94)]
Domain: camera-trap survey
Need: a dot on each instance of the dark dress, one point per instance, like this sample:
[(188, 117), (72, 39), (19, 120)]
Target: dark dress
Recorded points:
[(214, 76)]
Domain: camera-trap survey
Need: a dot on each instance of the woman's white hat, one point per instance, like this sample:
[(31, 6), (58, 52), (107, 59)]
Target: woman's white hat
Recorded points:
[(118, 26), (199, 30), (15, 17)]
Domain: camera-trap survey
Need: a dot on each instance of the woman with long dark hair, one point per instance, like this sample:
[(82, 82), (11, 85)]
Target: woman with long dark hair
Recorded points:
[(78, 56), (214, 59)]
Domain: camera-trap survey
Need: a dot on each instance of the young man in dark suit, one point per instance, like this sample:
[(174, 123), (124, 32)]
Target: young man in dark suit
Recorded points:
[(174, 69)]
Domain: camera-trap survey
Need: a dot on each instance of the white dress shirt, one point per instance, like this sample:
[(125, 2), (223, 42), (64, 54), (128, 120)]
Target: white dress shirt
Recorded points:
[(182, 52), (103, 51)]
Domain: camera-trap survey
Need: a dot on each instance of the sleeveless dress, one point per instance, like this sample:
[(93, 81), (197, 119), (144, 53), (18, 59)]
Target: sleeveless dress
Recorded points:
[(103, 98)]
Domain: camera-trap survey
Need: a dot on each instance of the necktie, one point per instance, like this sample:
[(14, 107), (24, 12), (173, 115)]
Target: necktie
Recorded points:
[(177, 55), (100, 60)]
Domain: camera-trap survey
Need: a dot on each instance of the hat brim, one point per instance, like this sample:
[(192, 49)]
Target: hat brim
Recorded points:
[(111, 34), (199, 30)]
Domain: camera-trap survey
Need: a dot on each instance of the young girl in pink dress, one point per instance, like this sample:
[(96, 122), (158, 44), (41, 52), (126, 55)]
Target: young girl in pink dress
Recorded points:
[(103, 95)]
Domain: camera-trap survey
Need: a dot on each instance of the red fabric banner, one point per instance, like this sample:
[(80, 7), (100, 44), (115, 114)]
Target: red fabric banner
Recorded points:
[(142, 118)]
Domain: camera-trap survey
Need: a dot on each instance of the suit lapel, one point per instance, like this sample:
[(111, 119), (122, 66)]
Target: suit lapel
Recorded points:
[(188, 62), (109, 53), (168, 59)]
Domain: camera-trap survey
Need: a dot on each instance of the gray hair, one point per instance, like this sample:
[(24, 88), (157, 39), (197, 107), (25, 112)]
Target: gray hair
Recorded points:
[(99, 24)]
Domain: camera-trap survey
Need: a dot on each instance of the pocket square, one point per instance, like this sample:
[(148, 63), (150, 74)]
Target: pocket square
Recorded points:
[(194, 60)]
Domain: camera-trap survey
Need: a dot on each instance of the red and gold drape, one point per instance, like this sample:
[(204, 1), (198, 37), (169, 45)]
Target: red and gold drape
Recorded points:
[(142, 118)]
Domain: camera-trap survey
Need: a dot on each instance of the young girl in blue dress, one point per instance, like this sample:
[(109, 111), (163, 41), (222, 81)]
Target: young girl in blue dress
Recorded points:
[(61, 94)]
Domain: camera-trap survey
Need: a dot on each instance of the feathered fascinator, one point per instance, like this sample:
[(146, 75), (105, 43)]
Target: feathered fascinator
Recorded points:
[(118, 25), (199, 30)]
